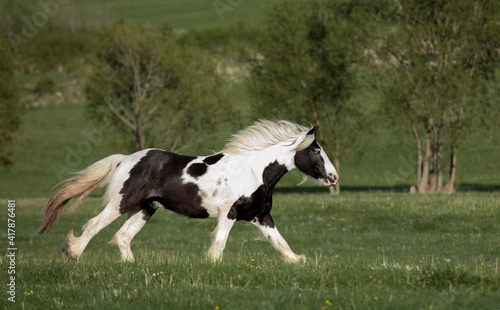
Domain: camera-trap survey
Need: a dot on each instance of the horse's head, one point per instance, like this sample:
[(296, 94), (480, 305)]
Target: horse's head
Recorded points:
[(313, 161)]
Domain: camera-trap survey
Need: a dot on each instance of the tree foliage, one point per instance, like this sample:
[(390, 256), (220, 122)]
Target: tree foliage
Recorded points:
[(145, 86), (10, 108), (305, 67), (443, 56)]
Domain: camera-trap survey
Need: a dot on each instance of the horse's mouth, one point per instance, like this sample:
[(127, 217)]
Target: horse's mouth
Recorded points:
[(330, 181)]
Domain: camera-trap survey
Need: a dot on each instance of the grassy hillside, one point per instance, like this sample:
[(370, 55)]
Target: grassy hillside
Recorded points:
[(57, 139), (52, 140), (178, 14), (364, 251)]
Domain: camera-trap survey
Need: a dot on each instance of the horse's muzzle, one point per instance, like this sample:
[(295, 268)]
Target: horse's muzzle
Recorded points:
[(331, 180)]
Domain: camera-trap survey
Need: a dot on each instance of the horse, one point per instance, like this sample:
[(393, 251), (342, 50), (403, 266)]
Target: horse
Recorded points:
[(235, 184)]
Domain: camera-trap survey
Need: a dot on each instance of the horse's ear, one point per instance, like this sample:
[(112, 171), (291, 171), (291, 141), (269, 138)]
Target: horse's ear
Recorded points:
[(307, 139), (313, 130)]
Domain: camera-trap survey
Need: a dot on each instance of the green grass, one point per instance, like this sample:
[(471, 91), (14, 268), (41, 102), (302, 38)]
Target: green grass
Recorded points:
[(52, 142), (55, 139), (178, 14), (365, 251)]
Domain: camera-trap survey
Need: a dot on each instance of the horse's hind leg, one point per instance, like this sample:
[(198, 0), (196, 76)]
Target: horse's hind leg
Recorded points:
[(137, 219), (73, 246)]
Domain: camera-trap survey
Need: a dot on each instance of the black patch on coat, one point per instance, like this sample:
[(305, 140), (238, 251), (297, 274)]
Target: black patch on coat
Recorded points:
[(210, 160), (156, 179), (197, 170), (310, 163), (148, 208), (259, 204), (266, 220)]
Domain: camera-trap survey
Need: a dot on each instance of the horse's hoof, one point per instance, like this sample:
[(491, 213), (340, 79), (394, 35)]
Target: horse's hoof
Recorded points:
[(296, 260), (66, 247)]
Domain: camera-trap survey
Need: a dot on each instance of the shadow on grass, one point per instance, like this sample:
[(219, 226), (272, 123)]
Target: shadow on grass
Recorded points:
[(344, 188), (478, 187), (387, 189)]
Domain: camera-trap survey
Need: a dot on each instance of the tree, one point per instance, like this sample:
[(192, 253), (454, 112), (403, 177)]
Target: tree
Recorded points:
[(12, 13), (145, 86), (10, 108), (442, 54), (304, 69)]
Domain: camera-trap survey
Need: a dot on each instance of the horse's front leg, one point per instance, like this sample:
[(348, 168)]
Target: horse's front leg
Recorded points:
[(266, 226), (220, 237)]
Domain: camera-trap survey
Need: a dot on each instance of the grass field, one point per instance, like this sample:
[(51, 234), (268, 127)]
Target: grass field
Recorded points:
[(367, 248), (365, 251), (178, 14)]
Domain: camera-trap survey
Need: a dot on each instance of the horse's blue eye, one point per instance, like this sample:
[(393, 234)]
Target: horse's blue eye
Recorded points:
[(317, 151)]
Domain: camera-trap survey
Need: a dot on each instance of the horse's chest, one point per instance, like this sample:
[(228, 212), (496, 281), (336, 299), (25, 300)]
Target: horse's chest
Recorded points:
[(259, 203), (248, 207)]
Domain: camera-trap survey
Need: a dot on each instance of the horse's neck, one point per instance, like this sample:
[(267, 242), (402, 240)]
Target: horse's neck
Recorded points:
[(277, 154), (273, 162)]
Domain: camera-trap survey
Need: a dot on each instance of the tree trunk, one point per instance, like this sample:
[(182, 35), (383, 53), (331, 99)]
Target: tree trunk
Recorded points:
[(335, 190), (139, 145), (439, 167), (431, 181), (436, 175), (424, 179), (140, 139), (418, 142), (450, 186)]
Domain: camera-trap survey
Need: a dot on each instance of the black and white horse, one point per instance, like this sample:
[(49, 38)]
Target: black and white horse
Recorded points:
[(235, 184)]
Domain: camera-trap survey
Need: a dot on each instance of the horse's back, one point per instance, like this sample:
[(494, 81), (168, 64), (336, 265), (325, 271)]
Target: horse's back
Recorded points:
[(153, 177)]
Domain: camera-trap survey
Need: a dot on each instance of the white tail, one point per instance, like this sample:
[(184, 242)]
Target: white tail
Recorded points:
[(86, 181)]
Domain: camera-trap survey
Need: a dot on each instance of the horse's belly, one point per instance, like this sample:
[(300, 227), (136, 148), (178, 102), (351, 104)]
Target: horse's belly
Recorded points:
[(192, 209), (217, 203)]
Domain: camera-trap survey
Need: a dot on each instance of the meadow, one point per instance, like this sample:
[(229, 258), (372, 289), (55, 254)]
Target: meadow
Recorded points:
[(364, 251), (371, 247), (374, 246), (178, 14)]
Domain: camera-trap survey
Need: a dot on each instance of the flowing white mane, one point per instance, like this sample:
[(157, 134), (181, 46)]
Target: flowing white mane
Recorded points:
[(263, 134)]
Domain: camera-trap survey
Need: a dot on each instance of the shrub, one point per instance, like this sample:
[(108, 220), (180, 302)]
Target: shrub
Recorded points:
[(44, 86)]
